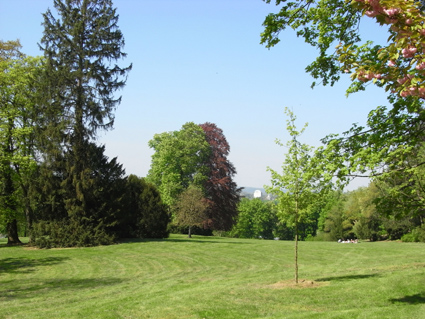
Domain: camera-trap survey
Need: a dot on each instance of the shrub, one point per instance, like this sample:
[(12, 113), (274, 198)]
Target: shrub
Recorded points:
[(51, 234), (144, 216), (416, 235)]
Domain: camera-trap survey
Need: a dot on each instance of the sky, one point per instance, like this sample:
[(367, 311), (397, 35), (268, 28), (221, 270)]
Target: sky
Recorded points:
[(201, 61)]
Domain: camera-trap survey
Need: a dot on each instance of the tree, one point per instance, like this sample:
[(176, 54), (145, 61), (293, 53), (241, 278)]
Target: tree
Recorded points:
[(297, 187), (18, 80), (54, 226), (402, 193), (190, 208), (256, 219), (80, 47), (145, 215), (222, 192), (178, 161)]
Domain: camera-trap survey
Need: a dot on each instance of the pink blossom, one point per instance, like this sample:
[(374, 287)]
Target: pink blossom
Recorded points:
[(402, 80), (391, 12), (421, 90), (378, 76), (371, 14), (404, 93), (391, 63), (420, 66), (422, 31), (409, 51), (409, 21)]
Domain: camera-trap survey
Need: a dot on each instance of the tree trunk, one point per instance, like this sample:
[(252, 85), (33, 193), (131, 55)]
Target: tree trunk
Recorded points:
[(28, 211), (296, 240), (28, 215), (296, 252), (12, 233), (189, 233)]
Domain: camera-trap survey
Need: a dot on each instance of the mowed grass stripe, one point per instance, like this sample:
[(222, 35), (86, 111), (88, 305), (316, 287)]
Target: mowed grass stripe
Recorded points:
[(209, 277)]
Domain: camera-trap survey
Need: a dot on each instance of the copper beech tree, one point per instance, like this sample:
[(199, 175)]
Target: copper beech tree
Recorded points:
[(222, 192)]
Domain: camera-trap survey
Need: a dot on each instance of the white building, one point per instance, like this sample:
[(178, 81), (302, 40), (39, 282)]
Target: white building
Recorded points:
[(257, 194)]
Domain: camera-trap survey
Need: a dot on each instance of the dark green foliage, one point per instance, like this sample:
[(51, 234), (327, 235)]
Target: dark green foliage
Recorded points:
[(68, 233), (145, 216), (80, 46), (77, 185), (105, 189), (396, 228)]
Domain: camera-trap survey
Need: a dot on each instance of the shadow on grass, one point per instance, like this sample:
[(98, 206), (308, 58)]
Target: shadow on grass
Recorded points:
[(349, 277), (206, 241), (180, 240), (5, 245), (28, 289), (412, 300), (26, 265)]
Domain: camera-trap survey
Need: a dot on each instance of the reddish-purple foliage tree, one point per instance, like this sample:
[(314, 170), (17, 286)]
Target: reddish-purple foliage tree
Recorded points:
[(222, 192)]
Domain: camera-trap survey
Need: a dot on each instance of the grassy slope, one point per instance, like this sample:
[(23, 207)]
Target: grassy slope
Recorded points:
[(214, 278)]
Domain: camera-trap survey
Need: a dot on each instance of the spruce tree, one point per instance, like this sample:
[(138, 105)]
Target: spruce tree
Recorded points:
[(81, 44)]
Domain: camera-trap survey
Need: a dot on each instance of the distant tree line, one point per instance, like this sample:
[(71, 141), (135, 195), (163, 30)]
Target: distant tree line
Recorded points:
[(359, 214)]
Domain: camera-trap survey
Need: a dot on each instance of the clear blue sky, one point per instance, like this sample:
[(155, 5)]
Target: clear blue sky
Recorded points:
[(201, 61)]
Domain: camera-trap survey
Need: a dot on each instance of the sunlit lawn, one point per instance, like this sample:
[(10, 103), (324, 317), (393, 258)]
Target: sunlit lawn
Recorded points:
[(212, 277)]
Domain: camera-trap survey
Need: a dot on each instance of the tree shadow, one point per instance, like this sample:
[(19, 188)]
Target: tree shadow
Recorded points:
[(26, 265), (349, 277), (27, 289), (179, 240), (194, 240), (3, 244), (412, 300)]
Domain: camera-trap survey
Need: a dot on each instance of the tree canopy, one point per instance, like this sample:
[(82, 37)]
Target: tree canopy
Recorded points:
[(178, 161), (19, 77), (221, 191), (190, 208)]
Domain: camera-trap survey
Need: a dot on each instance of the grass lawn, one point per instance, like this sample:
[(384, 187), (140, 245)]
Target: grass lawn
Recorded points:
[(212, 277)]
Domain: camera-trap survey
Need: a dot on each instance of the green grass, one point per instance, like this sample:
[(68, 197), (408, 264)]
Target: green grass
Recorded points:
[(212, 277)]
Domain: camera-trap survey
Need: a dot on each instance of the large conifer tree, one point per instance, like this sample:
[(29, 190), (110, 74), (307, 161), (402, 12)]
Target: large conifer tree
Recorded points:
[(81, 44)]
